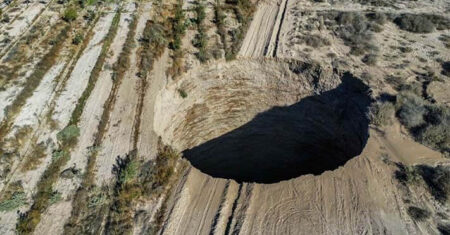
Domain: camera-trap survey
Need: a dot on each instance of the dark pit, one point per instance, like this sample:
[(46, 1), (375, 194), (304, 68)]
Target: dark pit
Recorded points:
[(317, 134)]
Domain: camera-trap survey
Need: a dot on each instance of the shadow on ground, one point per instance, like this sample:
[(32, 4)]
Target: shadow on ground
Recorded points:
[(317, 134)]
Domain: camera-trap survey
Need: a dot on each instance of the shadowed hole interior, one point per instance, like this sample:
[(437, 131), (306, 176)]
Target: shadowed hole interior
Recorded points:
[(316, 134)]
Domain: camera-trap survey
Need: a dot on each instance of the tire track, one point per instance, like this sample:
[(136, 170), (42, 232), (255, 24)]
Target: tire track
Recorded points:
[(279, 27)]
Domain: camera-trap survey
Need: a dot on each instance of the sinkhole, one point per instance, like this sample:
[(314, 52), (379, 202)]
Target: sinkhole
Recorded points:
[(272, 122)]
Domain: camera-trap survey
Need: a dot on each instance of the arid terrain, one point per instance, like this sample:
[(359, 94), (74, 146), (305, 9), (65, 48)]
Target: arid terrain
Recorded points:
[(225, 117)]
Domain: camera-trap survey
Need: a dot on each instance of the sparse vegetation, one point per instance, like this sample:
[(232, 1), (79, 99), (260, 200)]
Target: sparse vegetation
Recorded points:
[(429, 123), (153, 42), (89, 199), (16, 200), (67, 138), (219, 20), (354, 29), (35, 158), (126, 190), (134, 180), (77, 39), (33, 82), (182, 93), (243, 11), (370, 59), (200, 40), (178, 28), (70, 14), (76, 115), (381, 113), (416, 23), (13, 197), (56, 197), (6, 19), (407, 174), (68, 134), (154, 179), (436, 179), (178, 24), (315, 41)]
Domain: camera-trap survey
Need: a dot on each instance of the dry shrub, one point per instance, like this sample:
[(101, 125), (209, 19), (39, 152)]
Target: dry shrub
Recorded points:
[(34, 158), (446, 68), (424, 23), (370, 59), (418, 214), (429, 123), (381, 113), (438, 181), (354, 29)]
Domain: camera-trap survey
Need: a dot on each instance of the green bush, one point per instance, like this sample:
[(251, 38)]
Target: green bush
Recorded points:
[(70, 14), (55, 197), (77, 39), (129, 173), (182, 93), (68, 134), (200, 40), (200, 12), (90, 15), (59, 154), (17, 200), (178, 26), (6, 19)]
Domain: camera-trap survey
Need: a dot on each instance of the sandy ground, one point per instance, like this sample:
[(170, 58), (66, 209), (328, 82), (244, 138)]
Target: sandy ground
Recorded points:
[(119, 136), (264, 26), (39, 101), (88, 128), (22, 24), (71, 93), (147, 143), (359, 197)]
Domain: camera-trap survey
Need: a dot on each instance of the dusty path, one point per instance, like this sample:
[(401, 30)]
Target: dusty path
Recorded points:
[(194, 212), (258, 41), (148, 139)]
